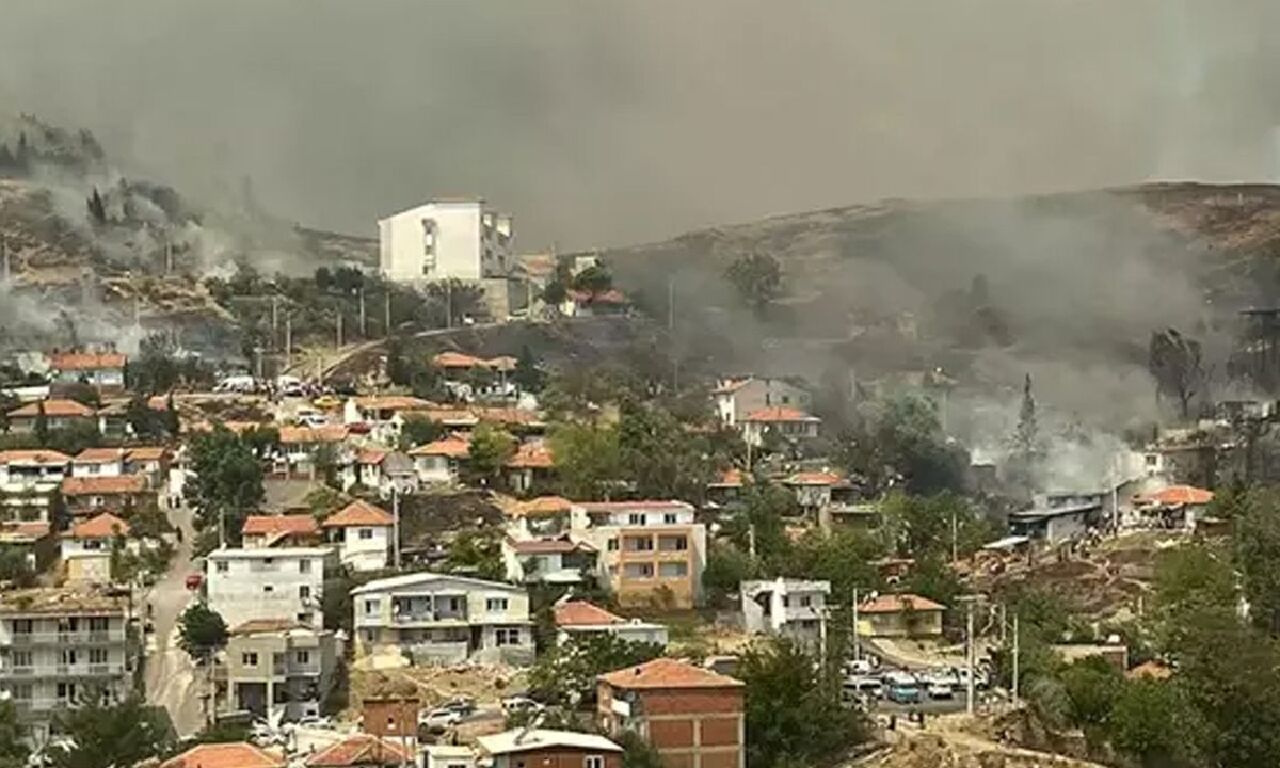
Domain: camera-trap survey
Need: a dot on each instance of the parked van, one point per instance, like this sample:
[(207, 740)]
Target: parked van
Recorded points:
[(901, 688)]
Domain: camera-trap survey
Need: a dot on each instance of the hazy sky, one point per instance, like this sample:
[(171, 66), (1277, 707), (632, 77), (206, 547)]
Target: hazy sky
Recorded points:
[(598, 122)]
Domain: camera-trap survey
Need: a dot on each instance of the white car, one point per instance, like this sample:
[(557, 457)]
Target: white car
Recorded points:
[(938, 690), (440, 719), (316, 721), (859, 667)]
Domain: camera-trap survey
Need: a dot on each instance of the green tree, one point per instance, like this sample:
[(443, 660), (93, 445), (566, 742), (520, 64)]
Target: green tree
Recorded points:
[(201, 630), (760, 525), (336, 603), (758, 279), (227, 481), (793, 708), (477, 553), (111, 735), (142, 419), (13, 753), (594, 279), (154, 370), (527, 375), (727, 567), (170, 420), (1256, 533), (567, 673), (41, 425), (14, 566), (1149, 723), (490, 449), (419, 430), (636, 752), (662, 458), (588, 459), (1092, 687), (902, 434)]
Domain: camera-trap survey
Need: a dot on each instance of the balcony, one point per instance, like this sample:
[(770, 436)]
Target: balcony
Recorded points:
[(31, 706), (18, 672), (84, 637)]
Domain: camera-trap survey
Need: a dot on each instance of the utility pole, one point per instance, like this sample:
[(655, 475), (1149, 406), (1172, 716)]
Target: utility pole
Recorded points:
[(364, 321), (275, 318), (339, 329), (4, 260), (288, 340), (386, 312), (969, 654), (857, 645), (448, 304), (395, 533), (955, 538), (1015, 659)]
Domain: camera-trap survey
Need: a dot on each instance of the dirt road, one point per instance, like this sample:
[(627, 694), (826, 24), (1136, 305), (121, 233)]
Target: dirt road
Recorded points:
[(172, 680)]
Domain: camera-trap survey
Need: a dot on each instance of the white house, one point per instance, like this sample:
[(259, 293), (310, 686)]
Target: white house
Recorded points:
[(791, 608), (791, 424), (379, 469), (266, 583), (98, 462), (581, 617), (444, 239), (439, 462), (445, 619), (86, 548), (735, 398), (362, 533)]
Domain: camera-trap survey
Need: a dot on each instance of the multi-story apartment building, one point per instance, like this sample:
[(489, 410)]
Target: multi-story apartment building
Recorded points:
[(735, 398), (651, 552), (461, 239), (103, 370), (56, 645), (692, 716), (278, 665), (280, 531), (440, 618), (29, 481), (792, 608), (248, 584)]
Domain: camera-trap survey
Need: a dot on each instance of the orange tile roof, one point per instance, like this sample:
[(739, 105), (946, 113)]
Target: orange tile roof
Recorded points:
[(86, 361), (1152, 670), (392, 403), (358, 512), (898, 603), (453, 446), (674, 505), (457, 360), (104, 526), (237, 754), (361, 749), (611, 296), (549, 546), (12, 532), (87, 486), (34, 456), (584, 614), (664, 672), (371, 455), (53, 407), (779, 413), (147, 453), (532, 456), (730, 477), (1176, 495), (302, 525), (254, 626), (99, 455), (814, 478), (313, 435), (541, 506)]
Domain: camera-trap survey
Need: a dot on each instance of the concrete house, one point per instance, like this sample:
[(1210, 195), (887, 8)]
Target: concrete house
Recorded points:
[(441, 618), (278, 665), (651, 552), (789, 424), (383, 414), (86, 548), (384, 471), (150, 462), (792, 608), (87, 496), (549, 561), (531, 464), (250, 584), (443, 239), (538, 747), (1056, 524), (29, 479), (440, 461), (59, 414), (692, 716), (300, 445), (102, 370), (237, 754), (57, 645), (362, 534), (580, 617), (904, 615), (99, 462), (735, 398), (279, 531)]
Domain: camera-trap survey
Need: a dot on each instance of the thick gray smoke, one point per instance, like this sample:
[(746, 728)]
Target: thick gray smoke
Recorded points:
[(599, 123)]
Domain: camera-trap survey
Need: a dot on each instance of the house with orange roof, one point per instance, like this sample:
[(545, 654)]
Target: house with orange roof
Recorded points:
[(363, 750), (382, 415), (58, 414), (89, 495), (86, 548), (900, 615), (299, 446), (363, 535), (692, 716), (530, 465), (737, 396), (610, 303), (29, 480), (1175, 506), (778, 421), (236, 754), (149, 461), (726, 488), (279, 531), (382, 470), (98, 462), (440, 461), (580, 617), (103, 370)]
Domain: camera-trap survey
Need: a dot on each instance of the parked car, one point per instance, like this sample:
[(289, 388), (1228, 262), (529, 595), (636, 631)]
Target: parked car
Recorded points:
[(519, 704), (463, 705), (938, 690), (439, 719), (859, 667), (901, 688), (194, 580)]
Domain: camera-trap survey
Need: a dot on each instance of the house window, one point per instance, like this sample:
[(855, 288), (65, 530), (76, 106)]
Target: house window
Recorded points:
[(507, 636), (268, 589), (97, 655), (303, 657), (21, 692), (304, 566), (371, 607), (669, 518), (304, 593), (635, 519), (455, 604), (593, 761), (638, 571), (222, 566), (612, 545), (495, 603), (98, 624), (644, 544), (67, 693), (304, 617), (249, 659), (673, 570), (68, 657), (806, 601), (366, 534), (21, 659), (22, 626)]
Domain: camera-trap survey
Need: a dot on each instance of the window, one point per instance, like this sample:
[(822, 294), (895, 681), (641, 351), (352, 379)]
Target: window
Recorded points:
[(249, 659), (304, 593), (806, 601), (593, 761), (304, 617), (643, 544), (371, 607), (98, 624), (496, 604), (635, 519), (268, 589), (507, 636), (97, 655), (303, 657), (638, 571), (66, 692), (222, 566), (304, 566), (669, 518), (612, 545), (21, 692), (455, 604), (68, 657), (786, 601), (21, 659), (22, 626), (365, 534), (673, 570), (673, 543)]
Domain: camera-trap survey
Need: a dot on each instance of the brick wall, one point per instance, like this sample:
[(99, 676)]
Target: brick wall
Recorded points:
[(696, 701), (667, 734), (392, 718), (719, 731)]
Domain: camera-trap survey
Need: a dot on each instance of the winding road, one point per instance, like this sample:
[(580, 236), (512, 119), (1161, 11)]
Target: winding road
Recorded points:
[(172, 680)]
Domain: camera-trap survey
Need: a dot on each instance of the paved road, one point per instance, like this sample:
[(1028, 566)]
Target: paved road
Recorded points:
[(172, 680)]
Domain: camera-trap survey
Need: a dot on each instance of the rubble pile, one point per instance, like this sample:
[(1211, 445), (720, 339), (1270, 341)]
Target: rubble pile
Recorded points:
[(928, 750)]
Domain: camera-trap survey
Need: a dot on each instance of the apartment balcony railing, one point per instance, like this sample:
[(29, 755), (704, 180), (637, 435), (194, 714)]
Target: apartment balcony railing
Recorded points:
[(83, 637)]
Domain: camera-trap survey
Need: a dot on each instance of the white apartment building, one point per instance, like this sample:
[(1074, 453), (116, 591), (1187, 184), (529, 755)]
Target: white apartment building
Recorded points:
[(444, 239), (443, 619), (266, 583), (56, 645), (792, 608), (28, 481), (651, 552)]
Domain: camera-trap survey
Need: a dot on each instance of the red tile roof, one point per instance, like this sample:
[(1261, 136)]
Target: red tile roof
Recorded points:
[(584, 614), (623, 506), (458, 360), (58, 408), (236, 754), (88, 486), (814, 478), (99, 455), (313, 435), (86, 361), (550, 547), (147, 453), (453, 446), (361, 749), (532, 456), (899, 603), (15, 532), (668, 673), (731, 478), (34, 456), (1176, 495), (779, 413), (301, 525), (358, 512), (541, 506), (392, 403), (104, 526)]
